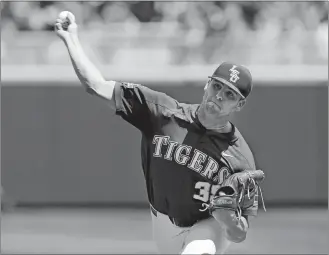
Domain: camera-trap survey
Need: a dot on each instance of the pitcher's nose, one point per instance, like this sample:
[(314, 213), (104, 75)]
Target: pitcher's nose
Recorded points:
[(219, 97)]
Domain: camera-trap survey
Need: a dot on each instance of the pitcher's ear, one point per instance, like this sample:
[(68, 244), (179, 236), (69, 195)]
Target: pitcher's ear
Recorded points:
[(240, 104)]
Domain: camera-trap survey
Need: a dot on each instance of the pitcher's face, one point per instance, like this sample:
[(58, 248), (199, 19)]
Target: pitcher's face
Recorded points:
[(221, 100)]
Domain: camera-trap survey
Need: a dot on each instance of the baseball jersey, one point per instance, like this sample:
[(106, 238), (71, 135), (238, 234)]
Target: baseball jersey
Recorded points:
[(183, 163)]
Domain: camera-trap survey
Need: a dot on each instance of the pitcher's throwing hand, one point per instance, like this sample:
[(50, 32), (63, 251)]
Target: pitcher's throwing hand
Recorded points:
[(65, 25)]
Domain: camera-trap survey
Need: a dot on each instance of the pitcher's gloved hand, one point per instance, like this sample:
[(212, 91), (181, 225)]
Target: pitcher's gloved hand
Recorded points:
[(237, 193)]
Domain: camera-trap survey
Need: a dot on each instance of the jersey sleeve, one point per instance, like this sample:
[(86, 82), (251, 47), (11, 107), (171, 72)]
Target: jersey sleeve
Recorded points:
[(141, 106)]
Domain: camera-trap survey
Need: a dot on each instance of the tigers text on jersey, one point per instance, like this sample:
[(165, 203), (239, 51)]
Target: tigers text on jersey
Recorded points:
[(183, 163)]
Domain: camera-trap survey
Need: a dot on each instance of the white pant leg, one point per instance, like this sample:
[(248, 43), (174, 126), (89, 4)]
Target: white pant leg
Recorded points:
[(206, 236), (168, 237)]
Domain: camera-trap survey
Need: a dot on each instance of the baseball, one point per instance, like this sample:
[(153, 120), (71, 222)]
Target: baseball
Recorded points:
[(65, 20)]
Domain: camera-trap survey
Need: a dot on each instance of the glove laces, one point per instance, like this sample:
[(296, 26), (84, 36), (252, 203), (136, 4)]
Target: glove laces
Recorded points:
[(251, 181), (205, 207)]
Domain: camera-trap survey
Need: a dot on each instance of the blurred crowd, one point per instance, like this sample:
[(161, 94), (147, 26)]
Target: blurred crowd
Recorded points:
[(258, 32)]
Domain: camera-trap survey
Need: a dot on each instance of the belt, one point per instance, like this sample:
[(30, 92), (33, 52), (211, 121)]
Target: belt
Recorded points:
[(175, 221)]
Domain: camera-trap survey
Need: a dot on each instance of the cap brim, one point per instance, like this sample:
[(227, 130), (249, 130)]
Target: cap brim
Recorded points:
[(227, 84)]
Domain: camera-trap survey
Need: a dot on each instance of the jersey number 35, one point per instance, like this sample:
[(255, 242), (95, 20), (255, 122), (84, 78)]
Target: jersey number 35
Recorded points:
[(205, 191)]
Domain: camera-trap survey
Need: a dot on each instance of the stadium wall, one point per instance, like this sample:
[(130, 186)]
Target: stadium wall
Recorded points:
[(61, 145)]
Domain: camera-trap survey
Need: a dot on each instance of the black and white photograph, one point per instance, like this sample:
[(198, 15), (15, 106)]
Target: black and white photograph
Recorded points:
[(164, 127)]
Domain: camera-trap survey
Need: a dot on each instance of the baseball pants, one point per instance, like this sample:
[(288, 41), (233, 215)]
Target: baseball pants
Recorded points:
[(205, 236)]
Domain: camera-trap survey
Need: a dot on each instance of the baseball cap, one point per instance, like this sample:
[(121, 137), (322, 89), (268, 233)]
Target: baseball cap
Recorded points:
[(237, 77)]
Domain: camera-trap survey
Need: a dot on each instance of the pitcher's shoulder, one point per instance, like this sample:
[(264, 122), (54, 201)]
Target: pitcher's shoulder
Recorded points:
[(184, 111), (244, 149)]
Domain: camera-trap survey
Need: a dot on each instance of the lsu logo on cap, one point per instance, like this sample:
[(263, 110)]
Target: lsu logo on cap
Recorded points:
[(234, 74)]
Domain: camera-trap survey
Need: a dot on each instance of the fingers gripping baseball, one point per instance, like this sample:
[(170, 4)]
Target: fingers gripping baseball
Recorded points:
[(58, 26), (65, 25)]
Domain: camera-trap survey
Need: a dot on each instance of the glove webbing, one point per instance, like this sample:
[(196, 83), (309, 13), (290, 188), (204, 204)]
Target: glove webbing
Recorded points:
[(252, 181)]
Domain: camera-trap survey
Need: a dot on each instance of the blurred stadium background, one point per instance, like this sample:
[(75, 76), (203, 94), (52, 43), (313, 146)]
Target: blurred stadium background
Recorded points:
[(71, 170)]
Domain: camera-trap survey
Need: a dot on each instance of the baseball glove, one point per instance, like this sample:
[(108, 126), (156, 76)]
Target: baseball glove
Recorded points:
[(237, 193)]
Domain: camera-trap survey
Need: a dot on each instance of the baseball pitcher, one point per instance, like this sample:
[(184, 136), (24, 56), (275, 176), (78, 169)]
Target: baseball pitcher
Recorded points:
[(202, 182)]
